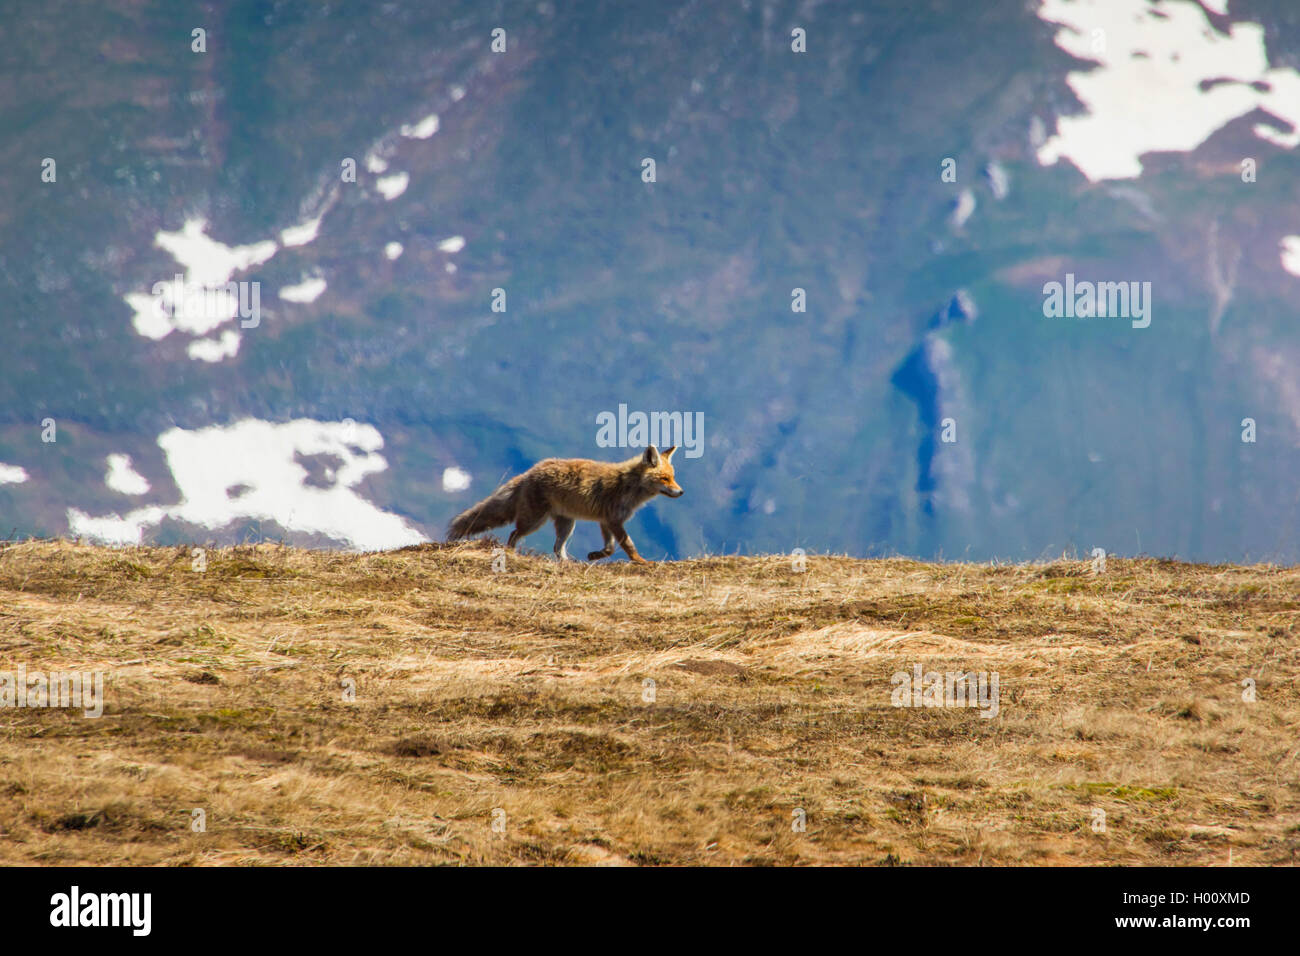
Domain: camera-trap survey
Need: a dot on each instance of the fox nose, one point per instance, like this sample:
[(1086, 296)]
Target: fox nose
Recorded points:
[(675, 492)]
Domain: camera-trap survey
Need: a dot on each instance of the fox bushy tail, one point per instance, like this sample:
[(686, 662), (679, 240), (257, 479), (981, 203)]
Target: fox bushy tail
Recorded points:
[(493, 511)]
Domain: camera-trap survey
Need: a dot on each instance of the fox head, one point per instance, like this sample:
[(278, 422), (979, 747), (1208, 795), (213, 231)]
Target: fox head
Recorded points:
[(657, 473)]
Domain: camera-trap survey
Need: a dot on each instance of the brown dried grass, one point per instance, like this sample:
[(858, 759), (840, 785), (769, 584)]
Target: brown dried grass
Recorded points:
[(523, 691)]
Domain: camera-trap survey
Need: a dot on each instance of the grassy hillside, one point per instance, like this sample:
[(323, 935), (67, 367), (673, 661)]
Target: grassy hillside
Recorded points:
[(524, 690)]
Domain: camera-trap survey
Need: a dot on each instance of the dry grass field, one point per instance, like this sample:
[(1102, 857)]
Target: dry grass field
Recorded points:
[(524, 692)]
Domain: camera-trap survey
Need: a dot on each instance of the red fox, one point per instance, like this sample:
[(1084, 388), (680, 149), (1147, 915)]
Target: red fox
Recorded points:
[(567, 489)]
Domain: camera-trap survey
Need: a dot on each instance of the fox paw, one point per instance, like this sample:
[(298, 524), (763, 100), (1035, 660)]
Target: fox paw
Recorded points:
[(596, 555)]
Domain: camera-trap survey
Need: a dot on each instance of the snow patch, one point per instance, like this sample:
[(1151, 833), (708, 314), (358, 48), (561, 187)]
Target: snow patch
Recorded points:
[(113, 529), (208, 262), (302, 234), (122, 477), (1153, 101), (1291, 254), (1275, 136), (12, 474), (202, 300), (259, 458), (455, 479), (215, 350), (390, 187), (423, 129), (309, 290), (999, 182), (963, 207)]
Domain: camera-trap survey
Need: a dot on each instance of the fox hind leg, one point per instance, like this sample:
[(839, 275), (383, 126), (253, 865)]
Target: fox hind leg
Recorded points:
[(563, 529), (527, 520)]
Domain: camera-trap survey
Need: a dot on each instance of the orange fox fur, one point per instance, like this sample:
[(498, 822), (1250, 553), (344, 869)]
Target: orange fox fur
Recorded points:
[(570, 489)]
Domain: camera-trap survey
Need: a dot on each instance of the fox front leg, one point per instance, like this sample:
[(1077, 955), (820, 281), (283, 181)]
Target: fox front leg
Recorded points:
[(609, 545), (625, 539)]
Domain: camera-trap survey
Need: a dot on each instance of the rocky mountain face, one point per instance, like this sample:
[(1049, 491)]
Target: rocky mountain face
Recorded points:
[(450, 257)]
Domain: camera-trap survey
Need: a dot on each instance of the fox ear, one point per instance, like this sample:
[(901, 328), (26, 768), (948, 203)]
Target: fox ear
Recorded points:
[(668, 455), (651, 456)]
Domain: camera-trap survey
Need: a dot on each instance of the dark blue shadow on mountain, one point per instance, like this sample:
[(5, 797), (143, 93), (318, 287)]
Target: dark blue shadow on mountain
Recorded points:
[(915, 379)]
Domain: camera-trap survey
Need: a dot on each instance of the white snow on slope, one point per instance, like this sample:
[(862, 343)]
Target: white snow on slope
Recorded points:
[(215, 350), (455, 479), (208, 262), (122, 477), (423, 129), (1291, 254), (309, 290), (302, 234), (390, 187), (1146, 93), (201, 301), (248, 471)]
